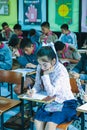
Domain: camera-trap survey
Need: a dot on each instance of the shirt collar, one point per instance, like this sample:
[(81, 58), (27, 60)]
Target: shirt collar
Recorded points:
[(2, 45)]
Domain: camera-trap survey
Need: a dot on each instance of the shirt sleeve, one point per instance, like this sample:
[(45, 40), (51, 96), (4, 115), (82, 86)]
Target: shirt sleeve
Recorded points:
[(74, 37), (78, 68), (7, 63), (37, 85), (22, 60), (55, 88), (76, 55)]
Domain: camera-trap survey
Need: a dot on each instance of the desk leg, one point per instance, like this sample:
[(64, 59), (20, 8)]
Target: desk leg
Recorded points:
[(22, 113), (31, 115), (82, 121), (2, 121)]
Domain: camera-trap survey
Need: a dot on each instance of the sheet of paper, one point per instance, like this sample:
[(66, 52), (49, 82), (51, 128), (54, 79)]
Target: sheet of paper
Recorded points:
[(24, 71), (37, 96), (83, 108)]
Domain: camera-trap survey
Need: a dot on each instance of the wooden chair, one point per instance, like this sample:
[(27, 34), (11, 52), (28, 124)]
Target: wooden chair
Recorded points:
[(74, 89), (5, 105), (11, 78)]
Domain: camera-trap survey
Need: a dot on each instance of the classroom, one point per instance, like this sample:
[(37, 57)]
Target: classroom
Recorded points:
[(43, 64)]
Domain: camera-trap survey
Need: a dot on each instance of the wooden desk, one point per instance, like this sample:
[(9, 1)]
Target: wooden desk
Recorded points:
[(25, 71), (5, 106), (46, 100), (83, 109)]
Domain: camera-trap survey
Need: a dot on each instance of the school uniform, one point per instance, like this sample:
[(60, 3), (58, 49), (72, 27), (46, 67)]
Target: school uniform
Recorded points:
[(69, 38), (82, 66), (70, 52), (25, 59), (7, 34), (50, 37), (56, 83), (5, 57)]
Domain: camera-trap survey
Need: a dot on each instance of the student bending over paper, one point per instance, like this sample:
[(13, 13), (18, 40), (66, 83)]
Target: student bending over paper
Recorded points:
[(53, 78)]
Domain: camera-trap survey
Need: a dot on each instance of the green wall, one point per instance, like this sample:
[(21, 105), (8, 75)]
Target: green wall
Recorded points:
[(11, 19), (74, 9)]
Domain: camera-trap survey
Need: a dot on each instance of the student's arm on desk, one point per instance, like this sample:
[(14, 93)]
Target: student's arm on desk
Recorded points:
[(37, 97), (72, 61), (68, 60)]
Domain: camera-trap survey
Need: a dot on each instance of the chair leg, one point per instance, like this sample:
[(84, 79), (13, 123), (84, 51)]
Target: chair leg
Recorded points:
[(2, 121)]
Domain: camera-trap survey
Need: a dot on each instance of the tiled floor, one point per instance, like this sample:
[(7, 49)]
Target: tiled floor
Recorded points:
[(14, 111)]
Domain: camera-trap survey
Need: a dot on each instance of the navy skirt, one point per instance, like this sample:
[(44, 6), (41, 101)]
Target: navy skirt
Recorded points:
[(67, 114)]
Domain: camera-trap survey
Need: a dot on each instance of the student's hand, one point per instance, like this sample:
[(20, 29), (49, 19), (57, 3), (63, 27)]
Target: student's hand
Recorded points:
[(30, 65), (48, 71), (30, 92), (16, 53)]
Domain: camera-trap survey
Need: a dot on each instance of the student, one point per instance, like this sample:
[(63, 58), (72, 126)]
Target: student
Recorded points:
[(18, 31), (30, 53), (67, 36), (80, 70), (53, 78), (6, 31), (5, 57), (67, 52), (47, 36), (14, 43), (34, 35), (28, 59)]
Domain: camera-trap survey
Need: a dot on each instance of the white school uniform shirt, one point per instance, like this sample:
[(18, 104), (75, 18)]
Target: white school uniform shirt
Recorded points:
[(56, 83)]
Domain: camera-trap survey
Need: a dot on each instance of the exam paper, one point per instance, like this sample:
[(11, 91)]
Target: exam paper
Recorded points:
[(24, 71), (37, 96)]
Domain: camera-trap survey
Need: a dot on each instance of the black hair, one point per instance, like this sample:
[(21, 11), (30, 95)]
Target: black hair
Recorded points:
[(46, 51), (64, 26), (32, 32), (59, 45), (26, 42), (4, 24), (14, 40), (45, 24), (17, 26)]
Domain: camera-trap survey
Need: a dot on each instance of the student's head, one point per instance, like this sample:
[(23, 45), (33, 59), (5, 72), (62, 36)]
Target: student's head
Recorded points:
[(5, 26), (14, 41), (32, 32), (17, 29), (59, 46), (45, 26), (64, 28), (27, 46), (46, 57)]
